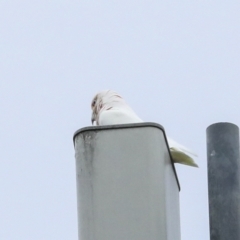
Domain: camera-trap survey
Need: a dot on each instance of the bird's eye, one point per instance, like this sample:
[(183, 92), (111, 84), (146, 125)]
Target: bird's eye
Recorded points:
[(93, 103)]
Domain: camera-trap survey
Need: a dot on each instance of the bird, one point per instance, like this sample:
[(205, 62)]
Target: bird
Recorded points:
[(109, 108)]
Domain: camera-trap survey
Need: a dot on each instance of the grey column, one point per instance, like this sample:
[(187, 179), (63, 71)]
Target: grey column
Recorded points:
[(223, 181), (126, 184)]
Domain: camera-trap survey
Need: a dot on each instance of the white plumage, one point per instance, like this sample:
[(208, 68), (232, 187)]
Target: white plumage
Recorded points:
[(108, 108)]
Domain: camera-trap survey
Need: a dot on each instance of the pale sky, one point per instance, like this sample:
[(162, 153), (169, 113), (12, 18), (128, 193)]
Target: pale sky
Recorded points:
[(175, 63)]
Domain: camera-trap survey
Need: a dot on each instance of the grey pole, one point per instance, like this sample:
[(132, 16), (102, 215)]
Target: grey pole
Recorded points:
[(127, 187), (223, 181)]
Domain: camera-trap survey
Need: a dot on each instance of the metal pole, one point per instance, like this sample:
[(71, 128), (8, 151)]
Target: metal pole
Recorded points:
[(126, 183), (223, 181)]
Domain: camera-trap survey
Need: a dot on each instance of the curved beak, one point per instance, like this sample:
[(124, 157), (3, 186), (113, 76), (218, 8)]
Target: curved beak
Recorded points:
[(93, 119)]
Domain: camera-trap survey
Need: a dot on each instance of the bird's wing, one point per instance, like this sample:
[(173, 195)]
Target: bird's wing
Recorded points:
[(118, 116)]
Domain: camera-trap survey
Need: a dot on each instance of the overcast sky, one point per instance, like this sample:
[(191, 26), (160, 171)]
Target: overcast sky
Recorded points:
[(175, 63)]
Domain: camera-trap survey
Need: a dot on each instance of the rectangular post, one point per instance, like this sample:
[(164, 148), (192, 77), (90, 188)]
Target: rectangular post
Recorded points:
[(223, 181), (126, 184)]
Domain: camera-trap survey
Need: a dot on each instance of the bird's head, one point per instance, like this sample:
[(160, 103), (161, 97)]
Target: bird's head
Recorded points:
[(104, 100)]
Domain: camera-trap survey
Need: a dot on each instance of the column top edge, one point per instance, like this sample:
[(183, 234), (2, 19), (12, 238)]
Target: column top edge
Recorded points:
[(131, 125)]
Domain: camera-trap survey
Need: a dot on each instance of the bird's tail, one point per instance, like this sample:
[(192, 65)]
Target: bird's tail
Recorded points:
[(182, 158)]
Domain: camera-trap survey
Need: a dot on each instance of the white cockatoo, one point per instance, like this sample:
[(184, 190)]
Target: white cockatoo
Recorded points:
[(109, 108)]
